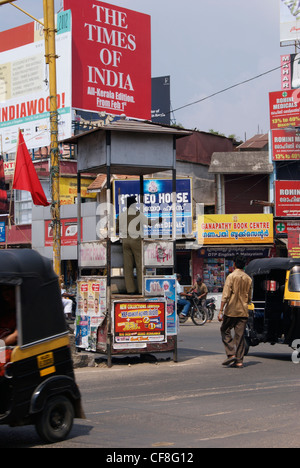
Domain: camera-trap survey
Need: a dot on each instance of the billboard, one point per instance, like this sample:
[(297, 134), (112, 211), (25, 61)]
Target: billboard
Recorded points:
[(138, 323), (158, 202), (287, 198), (284, 109), (290, 71), (24, 85), (289, 20), (161, 100), (111, 59), (285, 145)]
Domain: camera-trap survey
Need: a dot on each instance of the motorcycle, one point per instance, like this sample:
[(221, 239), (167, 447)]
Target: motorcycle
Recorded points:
[(196, 313), (211, 307)]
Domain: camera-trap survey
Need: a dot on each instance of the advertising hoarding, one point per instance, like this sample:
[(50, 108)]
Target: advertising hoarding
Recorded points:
[(284, 109), (290, 71), (161, 100), (111, 59), (287, 198), (24, 85), (285, 145), (289, 20), (158, 202), (137, 323)]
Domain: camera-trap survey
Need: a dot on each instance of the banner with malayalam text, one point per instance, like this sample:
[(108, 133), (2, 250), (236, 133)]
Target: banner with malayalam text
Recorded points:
[(235, 229)]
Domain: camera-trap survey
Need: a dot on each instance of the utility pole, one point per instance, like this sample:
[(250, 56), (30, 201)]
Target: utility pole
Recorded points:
[(50, 54)]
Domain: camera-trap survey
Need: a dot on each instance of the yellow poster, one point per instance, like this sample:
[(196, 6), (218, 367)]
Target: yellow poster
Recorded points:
[(68, 190), (235, 229)]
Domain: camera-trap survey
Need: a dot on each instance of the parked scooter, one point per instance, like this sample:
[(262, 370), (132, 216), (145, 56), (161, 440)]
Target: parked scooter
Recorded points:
[(211, 307)]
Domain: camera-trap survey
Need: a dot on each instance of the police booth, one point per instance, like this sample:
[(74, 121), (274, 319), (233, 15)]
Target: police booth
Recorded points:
[(108, 320)]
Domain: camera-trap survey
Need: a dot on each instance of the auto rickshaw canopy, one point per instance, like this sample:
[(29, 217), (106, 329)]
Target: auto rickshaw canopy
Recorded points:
[(264, 266), (39, 309)]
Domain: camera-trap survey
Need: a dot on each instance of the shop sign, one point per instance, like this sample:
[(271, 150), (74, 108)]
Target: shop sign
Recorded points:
[(284, 227), (284, 109), (138, 323), (294, 244), (285, 145), (231, 253), (235, 229), (287, 198), (2, 231)]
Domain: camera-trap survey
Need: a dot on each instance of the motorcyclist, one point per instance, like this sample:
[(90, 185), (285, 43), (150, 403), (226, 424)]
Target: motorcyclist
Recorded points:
[(180, 301), (201, 290)]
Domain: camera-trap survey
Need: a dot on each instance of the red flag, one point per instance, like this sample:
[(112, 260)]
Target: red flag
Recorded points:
[(25, 177), (3, 193)]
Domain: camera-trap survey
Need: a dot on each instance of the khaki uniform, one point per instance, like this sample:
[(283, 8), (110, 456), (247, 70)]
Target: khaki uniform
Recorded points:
[(236, 295), (131, 227)]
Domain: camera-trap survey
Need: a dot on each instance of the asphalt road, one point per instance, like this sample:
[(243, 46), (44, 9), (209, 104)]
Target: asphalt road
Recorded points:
[(195, 403)]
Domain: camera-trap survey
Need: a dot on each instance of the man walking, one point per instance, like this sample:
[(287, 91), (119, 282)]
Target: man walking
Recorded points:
[(235, 299)]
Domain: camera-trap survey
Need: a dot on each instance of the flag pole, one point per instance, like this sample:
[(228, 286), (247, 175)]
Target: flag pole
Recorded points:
[(12, 183), (49, 21)]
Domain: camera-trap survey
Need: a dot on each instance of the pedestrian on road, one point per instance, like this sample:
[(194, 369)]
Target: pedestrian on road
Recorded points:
[(235, 299)]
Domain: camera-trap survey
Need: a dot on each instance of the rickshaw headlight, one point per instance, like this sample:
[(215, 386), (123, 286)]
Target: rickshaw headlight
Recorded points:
[(294, 303)]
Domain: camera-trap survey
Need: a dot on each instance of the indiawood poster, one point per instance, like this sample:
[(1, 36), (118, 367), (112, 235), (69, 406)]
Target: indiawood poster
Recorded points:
[(111, 59), (24, 85)]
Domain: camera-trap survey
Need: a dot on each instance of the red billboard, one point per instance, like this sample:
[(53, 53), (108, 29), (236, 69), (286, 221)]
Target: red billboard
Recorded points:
[(286, 145), (111, 59), (284, 109), (287, 197), (139, 322)]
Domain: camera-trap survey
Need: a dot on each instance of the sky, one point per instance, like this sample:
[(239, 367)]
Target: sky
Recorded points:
[(205, 46)]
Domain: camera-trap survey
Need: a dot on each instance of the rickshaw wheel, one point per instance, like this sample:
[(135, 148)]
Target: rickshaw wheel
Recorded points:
[(56, 420)]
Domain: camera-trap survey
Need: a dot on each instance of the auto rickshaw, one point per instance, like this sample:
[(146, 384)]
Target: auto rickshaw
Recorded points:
[(274, 314), (37, 384)]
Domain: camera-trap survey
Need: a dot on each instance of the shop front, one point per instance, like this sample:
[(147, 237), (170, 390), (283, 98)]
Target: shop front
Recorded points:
[(222, 237)]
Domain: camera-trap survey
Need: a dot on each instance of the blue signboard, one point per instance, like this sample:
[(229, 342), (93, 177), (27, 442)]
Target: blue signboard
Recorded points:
[(158, 203), (2, 231)]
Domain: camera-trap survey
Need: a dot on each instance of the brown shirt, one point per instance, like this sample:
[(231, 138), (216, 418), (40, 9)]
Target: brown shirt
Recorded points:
[(237, 294), (200, 289)]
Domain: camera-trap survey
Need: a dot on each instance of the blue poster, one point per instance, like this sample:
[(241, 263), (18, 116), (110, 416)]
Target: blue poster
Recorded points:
[(158, 203), (156, 286), (2, 231)]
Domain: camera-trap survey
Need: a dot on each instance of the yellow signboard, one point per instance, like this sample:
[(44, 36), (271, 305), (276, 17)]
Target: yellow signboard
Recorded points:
[(68, 190), (235, 229)]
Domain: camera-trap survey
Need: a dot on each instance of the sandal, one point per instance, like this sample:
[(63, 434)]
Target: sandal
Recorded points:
[(229, 360), (238, 365)]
